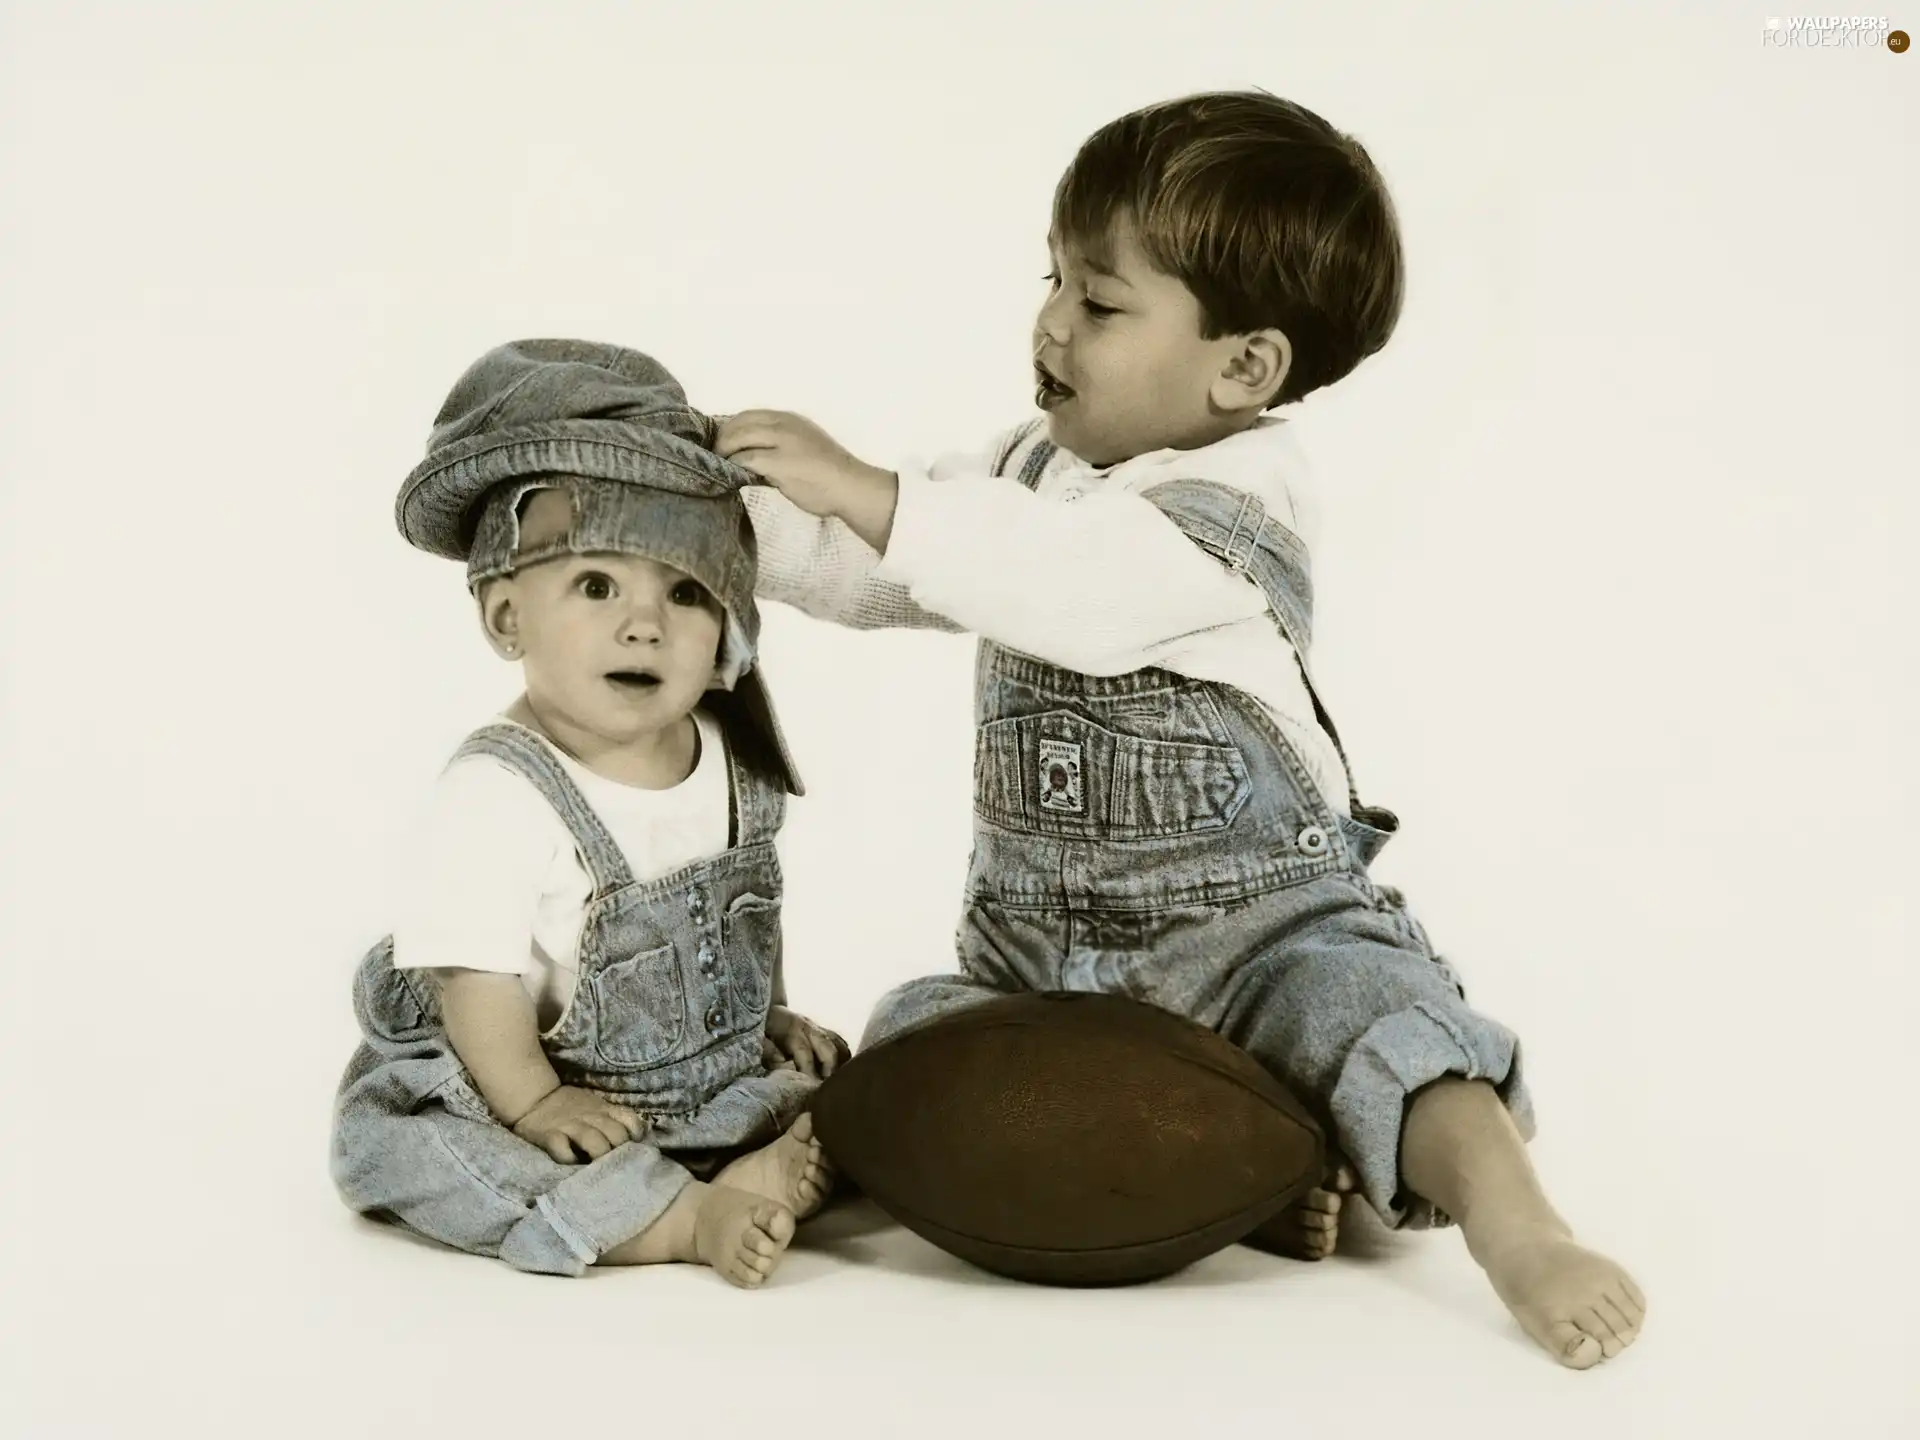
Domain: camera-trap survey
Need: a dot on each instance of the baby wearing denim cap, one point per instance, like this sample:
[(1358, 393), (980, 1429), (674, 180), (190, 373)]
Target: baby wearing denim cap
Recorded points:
[(1163, 808), (575, 1047)]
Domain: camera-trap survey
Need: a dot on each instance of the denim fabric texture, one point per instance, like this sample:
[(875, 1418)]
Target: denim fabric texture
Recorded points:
[(1157, 836), (676, 977)]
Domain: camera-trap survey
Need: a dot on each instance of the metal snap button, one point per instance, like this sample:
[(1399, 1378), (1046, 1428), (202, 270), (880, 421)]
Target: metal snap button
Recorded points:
[(716, 1018), (1312, 841), (706, 959)]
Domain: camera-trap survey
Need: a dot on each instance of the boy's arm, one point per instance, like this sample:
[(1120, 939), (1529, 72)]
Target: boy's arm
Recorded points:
[(1103, 584), (821, 568)]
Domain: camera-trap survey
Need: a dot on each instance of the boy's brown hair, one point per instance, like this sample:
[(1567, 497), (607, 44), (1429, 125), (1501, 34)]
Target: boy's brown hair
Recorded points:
[(1269, 215)]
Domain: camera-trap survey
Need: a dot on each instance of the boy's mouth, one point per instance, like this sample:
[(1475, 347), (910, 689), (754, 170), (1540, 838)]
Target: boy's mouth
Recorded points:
[(1048, 391), (634, 682)]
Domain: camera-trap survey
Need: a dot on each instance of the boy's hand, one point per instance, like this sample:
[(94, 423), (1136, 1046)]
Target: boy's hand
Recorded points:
[(797, 1041), (570, 1119), (811, 469)]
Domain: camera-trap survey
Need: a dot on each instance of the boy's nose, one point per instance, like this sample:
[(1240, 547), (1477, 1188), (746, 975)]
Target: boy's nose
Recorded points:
[(1051, 324)]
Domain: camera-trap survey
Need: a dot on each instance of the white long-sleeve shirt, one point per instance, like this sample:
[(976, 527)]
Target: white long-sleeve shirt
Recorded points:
[(1082, 571)]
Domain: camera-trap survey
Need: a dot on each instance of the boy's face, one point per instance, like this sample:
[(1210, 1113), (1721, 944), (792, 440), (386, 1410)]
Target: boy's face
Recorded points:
[(1119, 363), (615, 646)]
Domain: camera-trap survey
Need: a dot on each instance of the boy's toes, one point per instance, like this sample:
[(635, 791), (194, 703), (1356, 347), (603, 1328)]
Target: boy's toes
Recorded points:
[(1625, 1324), (1597, 1323), (1321, 1202), (1631, 1301), (1572, 1346)]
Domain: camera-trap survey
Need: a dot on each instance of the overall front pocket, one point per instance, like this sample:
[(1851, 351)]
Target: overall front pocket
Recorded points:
[(640, 1007), (1059, 773), (750, 934)]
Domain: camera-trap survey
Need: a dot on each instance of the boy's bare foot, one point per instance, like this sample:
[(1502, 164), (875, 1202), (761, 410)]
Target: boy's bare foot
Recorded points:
[(792, 1171), (1578, 1305), (1308, 1229), (740, 1234), (1461, 1151)]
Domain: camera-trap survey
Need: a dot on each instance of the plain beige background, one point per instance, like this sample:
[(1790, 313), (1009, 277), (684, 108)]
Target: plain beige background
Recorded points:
[(1616, 611)]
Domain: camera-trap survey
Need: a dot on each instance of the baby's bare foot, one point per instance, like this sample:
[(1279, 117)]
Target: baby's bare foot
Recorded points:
[(791, 1171), (1579, 1306), (1308, 1229), (741, 1235)]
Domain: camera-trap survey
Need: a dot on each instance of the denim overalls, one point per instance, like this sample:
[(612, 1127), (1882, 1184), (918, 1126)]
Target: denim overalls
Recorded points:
[(1157, 836), (675, 979)]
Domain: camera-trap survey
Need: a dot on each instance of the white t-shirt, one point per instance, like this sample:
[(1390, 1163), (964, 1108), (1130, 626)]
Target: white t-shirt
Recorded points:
[(492, 880)]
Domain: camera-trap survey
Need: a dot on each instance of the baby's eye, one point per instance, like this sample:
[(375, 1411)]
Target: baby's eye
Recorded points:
[(689, 592), (1052, 277), (595, 586), (1098, 311)]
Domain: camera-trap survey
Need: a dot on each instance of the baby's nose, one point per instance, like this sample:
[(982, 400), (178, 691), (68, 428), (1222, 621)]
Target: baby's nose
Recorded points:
[(642, 624)]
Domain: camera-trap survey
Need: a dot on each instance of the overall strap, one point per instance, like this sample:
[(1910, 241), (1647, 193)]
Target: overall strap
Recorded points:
[(530, 756), (1235, 528), (1037, 458), (757, 802)]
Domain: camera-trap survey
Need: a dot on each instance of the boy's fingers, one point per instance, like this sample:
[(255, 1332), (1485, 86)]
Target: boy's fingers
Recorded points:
[(558, 1146), (749, 429), (635, 1125)]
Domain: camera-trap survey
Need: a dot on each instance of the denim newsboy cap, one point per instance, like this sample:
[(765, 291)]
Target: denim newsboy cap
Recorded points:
[(614, 428)]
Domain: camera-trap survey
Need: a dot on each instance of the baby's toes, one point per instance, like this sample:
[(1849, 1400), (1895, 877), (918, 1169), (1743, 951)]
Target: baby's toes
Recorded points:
[(764, 1241), (807, 1200), (774, 1224)]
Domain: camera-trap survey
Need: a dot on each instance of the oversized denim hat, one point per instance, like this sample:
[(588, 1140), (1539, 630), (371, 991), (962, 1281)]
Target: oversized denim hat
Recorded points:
[(614, 428)]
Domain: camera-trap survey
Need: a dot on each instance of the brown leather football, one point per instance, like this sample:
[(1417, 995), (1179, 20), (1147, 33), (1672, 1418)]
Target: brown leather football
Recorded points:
[(1069, 1139)]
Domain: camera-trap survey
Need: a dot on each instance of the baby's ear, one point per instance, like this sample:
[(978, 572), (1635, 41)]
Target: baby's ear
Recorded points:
[(499, 616)]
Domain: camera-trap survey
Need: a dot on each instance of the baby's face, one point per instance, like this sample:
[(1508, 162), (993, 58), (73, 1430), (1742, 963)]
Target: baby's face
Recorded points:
[(617, 646), (1119, 364)]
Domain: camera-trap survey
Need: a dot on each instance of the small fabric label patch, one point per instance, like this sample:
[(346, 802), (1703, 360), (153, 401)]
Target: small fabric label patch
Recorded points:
[(1060, 787)]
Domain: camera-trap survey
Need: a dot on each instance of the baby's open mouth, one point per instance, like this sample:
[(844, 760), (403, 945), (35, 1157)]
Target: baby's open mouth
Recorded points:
[(1048, 391), (636, 681)]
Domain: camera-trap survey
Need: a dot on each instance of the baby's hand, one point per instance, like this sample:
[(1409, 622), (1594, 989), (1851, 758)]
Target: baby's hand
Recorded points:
[(570, 1119), (797, 1041), (799, 459)]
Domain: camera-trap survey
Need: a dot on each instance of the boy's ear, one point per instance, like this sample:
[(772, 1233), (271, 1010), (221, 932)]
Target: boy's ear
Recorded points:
[(1255, 371), (500, 617)]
